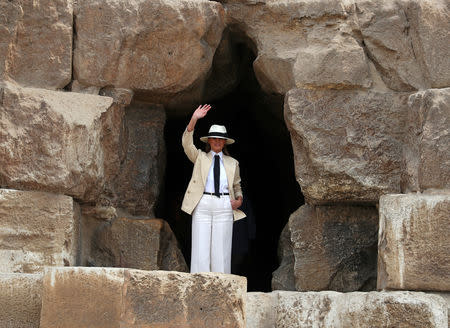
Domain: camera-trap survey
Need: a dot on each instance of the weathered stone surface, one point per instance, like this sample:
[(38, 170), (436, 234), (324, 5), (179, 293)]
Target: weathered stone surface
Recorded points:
[(147, 244), (386, 32), (329, 44), (75, 297), (20, 300), (141, 177), (426, 149), (260, 310), (60, 142), (413, 242), (430, 20), (37, 229), (304, 44), (374, 309), (446, 297), (283, 277), (334, 247), (158, 48), (36, 42), (347, 144), (407, 40)]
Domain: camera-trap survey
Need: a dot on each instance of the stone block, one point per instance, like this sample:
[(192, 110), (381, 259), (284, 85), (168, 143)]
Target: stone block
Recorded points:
[(118, 45), (426, 150), (146, 244), (357, 309), (60, 142), (37, 229), (261, 310), (141, 176), (347, 144), (413, 242), (75, 297), (334, 247), (36, 42), (20, 300)]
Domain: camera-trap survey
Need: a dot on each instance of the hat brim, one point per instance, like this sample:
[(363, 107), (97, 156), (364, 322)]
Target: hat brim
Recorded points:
[(229, 141)]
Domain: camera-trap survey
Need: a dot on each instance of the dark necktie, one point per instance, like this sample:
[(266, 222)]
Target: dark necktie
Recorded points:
[(216, 175)]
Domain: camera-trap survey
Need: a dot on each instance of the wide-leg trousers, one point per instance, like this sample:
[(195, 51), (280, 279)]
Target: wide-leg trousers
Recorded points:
[(212, 234)]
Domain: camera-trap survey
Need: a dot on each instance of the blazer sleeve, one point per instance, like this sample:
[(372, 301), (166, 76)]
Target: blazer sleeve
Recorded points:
[(188, 145), (237, 182)]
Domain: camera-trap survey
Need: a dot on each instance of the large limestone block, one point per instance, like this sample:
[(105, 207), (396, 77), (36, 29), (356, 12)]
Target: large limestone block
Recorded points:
[(158, 48), (357, 309), (430, 20), (37, 229), (260, 310), (146, 244), (407, 40), (347, 144), (426, 149), (334, 247), (141, 176), (75, 297), (60, 142), (385, 30), (305, 44), (36, 42), (20, 300), (413, 242)]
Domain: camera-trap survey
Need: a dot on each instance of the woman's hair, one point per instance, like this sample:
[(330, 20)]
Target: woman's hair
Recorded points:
[(224, 149)]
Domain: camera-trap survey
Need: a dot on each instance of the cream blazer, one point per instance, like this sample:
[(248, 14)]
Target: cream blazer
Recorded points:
[(202, 163)]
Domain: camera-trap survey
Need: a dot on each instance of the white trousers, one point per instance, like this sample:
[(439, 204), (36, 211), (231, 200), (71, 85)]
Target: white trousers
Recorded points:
[(212, 232)]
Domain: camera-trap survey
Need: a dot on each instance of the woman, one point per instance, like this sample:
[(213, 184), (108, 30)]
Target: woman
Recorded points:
[(213, 197)]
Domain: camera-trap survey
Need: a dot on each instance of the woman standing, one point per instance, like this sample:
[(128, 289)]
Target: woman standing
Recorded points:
[(213, 197)]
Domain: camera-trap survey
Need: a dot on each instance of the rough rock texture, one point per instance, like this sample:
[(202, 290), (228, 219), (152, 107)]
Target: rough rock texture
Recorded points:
[(283, 277), (142, 172), (334, 247), (260, 310), (58, 141), (374, 309), (426, 149), (300, 44), (347, 144), (20, 300), (343, 44), (146, 244), (413, 242), (36, 42), (283, 309), (412, 53), (158, 48), (37, 229), (446, 297), (75, 297)]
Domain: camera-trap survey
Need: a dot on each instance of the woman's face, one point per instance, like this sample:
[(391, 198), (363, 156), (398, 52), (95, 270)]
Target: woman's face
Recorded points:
[(216, 144)]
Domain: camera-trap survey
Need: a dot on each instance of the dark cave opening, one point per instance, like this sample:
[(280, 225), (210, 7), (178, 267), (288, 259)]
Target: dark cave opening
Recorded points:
[(264, 151)]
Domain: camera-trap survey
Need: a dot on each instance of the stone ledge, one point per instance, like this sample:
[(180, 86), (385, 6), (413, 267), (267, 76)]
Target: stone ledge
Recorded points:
[(20, 300), (76, 297), (284, 309)]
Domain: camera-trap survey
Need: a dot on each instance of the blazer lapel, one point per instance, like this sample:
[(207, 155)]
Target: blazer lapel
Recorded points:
[(229, 170), (206, 164)]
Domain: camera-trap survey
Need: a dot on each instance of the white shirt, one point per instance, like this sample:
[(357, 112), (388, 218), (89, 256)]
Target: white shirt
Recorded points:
[(223, 184)]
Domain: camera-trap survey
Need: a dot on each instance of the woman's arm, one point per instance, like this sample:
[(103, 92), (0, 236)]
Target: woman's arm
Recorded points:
[(187, 139)]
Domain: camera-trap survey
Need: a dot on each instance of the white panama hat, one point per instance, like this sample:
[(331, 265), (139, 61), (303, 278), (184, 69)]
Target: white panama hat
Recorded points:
[(217, 131)]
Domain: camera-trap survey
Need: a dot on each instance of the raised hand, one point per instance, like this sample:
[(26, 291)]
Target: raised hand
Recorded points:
[(201, 111)]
